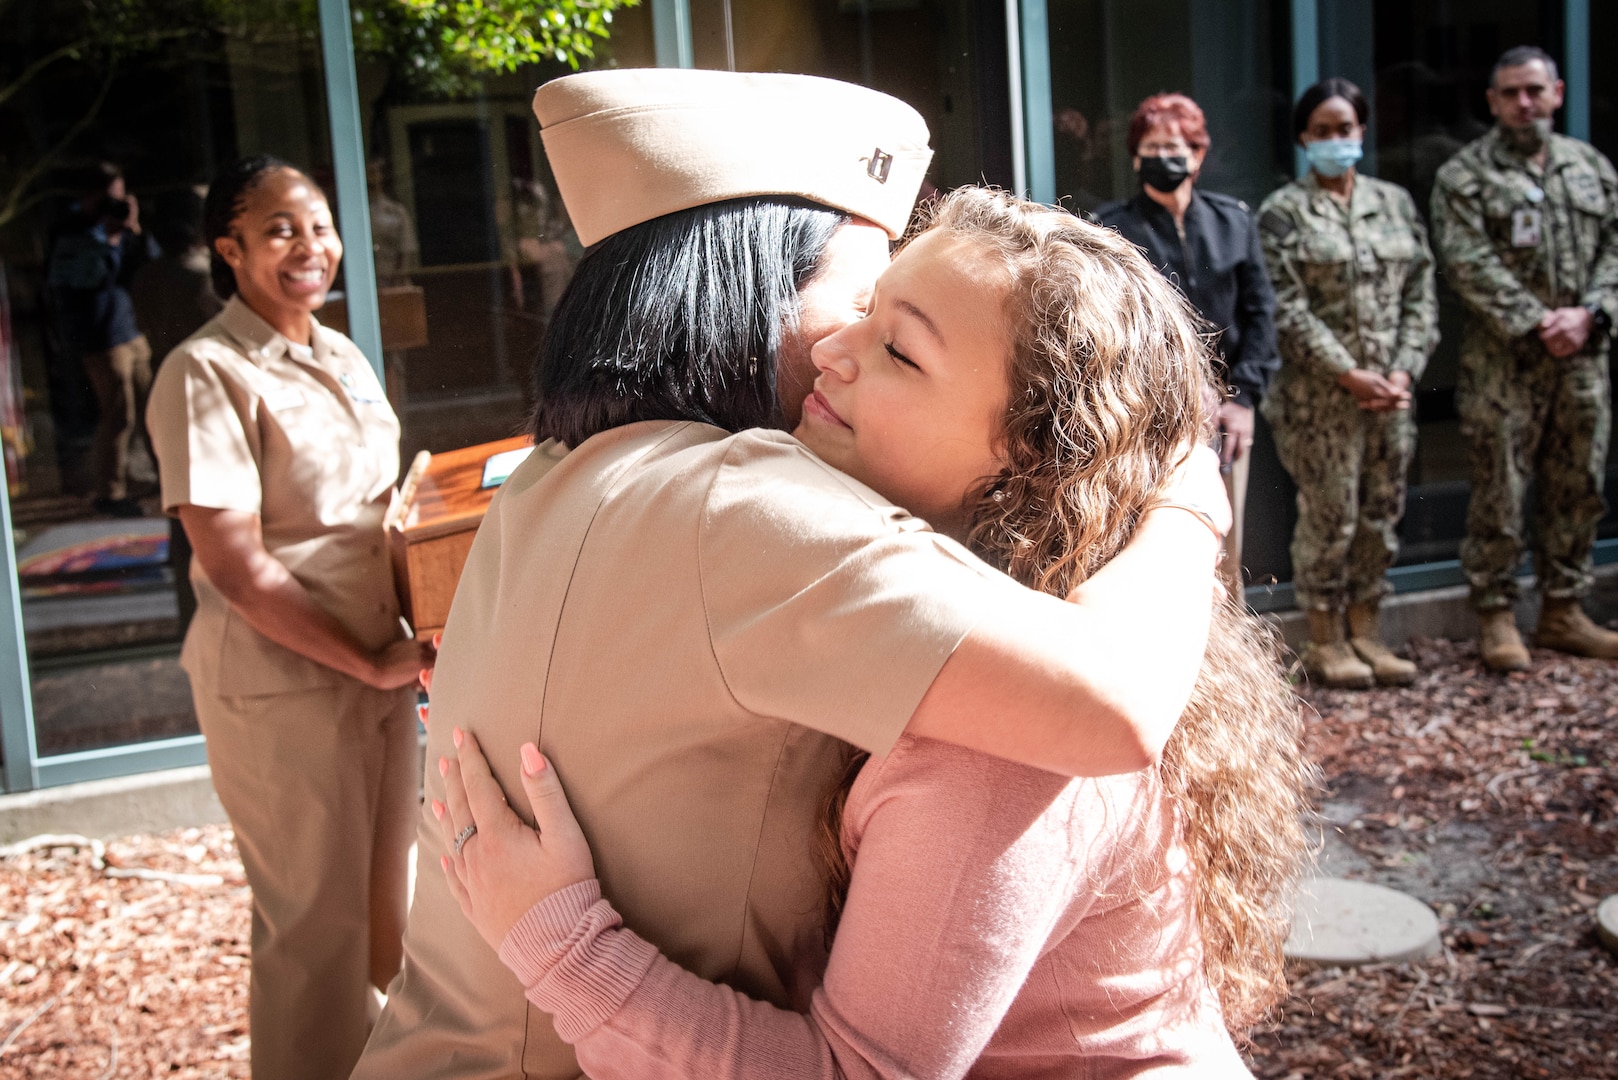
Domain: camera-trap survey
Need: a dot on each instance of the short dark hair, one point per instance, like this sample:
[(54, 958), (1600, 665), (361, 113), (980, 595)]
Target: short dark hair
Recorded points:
[(226, 196), (679, 318), (1322, 91), (1519, 55)]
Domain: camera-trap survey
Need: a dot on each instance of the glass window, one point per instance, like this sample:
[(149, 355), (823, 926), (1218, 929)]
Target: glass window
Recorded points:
[(1234, 60), (108, 148), (473, 247), (946, 58), (1107, 56), (1426, 66)]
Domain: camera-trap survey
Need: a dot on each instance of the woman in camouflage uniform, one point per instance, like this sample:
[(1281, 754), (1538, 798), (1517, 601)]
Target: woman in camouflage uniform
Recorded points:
[(1356, 318)]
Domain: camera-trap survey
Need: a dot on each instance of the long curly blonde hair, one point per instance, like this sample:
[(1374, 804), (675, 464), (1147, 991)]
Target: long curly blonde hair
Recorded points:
[(1109, 376)]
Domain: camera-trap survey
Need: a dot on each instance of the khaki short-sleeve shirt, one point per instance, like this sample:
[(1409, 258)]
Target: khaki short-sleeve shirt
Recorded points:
[(243, 419), (689, 624)]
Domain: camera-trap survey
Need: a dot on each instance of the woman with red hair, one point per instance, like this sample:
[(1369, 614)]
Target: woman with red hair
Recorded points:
[(1205, 243)]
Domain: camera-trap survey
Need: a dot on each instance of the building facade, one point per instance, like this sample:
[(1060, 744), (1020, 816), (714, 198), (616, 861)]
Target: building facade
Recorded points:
[(456, 246)]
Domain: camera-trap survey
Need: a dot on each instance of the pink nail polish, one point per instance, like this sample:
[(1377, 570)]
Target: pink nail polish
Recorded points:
[(532, 763), (438, 809), (457, 737), (443, 766)]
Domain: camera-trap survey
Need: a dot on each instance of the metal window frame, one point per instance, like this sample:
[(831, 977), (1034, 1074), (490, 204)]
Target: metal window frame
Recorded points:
[(1028, 53), (671, 33), (1576, 67)]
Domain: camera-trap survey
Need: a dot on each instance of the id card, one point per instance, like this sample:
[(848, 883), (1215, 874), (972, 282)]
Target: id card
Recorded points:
[(500, 466), (1525, 226)]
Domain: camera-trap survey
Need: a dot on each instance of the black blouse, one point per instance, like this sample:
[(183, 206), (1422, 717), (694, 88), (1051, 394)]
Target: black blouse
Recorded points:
[(1220, 269)]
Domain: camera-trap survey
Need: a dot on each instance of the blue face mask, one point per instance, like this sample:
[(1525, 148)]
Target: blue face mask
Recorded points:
[(1333, 157)]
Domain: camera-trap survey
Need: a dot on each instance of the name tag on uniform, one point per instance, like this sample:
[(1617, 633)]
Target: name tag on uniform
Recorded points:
[(357, 393), (1525, 224), (288, 397)]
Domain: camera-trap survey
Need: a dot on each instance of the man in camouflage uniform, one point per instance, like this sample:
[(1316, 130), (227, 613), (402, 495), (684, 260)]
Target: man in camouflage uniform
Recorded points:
[(1526, 223), (1356, 317)]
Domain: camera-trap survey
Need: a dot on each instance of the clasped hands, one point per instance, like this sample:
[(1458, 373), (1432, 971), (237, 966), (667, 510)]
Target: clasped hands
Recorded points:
[(1564, 331), (1375, 392)]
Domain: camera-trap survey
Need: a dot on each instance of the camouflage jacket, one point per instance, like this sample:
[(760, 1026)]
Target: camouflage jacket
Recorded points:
[(1353, 284), (1517, 240)]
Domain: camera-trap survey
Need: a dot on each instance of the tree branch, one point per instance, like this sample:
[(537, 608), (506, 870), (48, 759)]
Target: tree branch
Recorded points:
[(40, 65), (13, 203)]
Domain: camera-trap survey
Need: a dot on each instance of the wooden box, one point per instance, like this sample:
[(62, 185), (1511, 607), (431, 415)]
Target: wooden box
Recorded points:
[(430, 532)]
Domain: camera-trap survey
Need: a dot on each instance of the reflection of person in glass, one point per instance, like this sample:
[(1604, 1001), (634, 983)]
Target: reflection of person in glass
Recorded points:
[(1526, 222), (1357, 317), (393, 234), (543, 250), (173, 296), (91, 264), (279, 452), (1205, 243)]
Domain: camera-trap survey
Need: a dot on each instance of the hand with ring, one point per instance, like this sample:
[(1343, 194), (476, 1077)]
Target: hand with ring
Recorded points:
[(498, 867)]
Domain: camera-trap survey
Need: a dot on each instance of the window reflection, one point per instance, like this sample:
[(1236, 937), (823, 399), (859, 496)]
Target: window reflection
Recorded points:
[(472, 245), (100, 203)]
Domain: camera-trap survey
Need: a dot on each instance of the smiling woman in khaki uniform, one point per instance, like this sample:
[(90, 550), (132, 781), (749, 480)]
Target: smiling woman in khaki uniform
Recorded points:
[(279, 452)]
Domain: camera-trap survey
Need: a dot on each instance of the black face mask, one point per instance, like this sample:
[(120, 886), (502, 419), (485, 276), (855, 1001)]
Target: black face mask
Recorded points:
[(1164, 173)]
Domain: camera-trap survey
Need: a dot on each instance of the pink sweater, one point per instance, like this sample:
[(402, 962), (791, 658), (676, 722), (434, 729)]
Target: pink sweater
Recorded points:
[(1001, 922)]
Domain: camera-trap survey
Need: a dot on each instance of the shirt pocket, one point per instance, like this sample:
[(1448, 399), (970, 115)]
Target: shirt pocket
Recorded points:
[(251, 665), (1325, 262), (1585, 192), (1394, 251)]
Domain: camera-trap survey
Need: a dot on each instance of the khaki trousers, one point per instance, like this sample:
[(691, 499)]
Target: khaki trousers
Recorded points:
[(121, 378), (321, 789), (1236, 489)]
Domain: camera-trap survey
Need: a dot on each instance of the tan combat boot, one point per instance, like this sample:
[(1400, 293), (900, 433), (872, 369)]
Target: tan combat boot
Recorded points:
[(1366, 639), (1499, 641), (1565, 627), (1329, 661)]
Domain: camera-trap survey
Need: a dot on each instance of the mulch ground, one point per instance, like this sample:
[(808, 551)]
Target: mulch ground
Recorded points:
[(1495, 800), (1492, 799)]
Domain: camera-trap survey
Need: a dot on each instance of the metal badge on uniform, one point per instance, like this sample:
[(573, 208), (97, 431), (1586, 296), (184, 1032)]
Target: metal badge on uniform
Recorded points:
[(357, 394), (284, 398), (877, 165), (1525, 223)]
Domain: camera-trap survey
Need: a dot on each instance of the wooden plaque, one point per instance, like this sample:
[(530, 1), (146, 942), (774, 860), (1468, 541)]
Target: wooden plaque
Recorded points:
[(431, 532)]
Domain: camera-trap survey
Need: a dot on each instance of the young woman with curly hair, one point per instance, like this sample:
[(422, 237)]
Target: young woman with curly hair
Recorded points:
[(991, 919)]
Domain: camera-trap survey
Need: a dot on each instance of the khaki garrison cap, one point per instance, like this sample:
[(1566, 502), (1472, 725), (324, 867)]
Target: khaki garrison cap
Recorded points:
[(629, 145)]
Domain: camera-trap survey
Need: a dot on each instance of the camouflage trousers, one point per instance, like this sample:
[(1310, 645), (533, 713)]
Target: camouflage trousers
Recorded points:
[(1530, 418), (1350, 467)]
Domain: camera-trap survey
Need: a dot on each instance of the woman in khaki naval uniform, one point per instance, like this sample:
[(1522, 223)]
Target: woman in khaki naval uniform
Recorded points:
[(278, 452), (695, 618), (1357, 318)]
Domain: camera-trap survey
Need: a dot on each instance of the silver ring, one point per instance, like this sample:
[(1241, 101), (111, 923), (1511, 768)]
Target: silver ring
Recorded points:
[(463, 836)]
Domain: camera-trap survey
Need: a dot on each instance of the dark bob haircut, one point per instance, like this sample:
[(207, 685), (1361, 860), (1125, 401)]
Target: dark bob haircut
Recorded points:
[(1324, 90), (679, 318), (226, 196)]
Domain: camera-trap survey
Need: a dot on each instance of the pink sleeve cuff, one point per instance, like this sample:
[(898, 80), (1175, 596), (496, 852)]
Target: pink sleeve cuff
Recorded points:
[(577, 962)]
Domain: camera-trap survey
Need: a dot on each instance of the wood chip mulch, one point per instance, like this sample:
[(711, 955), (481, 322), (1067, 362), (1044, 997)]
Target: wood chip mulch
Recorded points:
[(104, 976), (1495, 800)]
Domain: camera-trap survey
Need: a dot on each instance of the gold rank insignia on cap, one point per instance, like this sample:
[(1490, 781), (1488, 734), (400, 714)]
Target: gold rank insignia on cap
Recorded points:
[(632, 144)]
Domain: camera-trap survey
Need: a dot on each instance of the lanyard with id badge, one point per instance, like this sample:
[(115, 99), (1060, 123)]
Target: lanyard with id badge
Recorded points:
[(1528, 222)]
